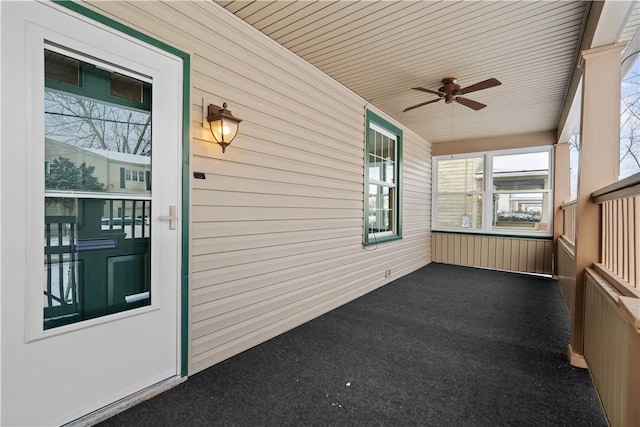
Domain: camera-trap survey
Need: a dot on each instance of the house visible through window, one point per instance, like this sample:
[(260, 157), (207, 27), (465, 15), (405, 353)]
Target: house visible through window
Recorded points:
[(383, 164), (501, 192)]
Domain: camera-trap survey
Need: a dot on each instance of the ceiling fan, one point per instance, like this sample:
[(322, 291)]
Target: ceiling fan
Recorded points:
[(451, 91)]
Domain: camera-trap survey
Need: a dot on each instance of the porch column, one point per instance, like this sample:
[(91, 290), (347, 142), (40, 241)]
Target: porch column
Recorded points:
[(561, 192), (599, 165)]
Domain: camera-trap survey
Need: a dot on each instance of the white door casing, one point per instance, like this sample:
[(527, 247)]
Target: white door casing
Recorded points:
[(54, 376)]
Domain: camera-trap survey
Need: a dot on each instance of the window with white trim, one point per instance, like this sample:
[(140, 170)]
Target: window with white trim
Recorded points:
[(498, 192), (630, 114), (382, 180)]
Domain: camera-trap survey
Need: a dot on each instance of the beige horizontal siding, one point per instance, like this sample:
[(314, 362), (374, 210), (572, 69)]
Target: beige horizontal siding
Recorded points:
[(277, 223), (495, 252)]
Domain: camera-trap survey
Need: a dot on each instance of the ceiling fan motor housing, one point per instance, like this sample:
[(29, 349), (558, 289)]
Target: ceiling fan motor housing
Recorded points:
[(450, 88)]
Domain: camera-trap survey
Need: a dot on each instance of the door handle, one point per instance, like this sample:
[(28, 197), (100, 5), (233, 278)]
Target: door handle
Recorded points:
[(172, 218)]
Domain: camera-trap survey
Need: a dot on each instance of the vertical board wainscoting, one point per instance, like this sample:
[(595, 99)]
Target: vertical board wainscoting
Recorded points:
[(519, 254), (612, 350)]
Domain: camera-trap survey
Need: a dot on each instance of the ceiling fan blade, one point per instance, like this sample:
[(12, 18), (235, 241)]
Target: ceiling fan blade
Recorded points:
[(421, 104), (435, 92), (470, 103), (486, 84)]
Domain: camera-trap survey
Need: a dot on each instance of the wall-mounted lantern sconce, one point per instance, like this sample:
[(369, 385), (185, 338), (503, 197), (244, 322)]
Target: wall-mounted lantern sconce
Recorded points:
[(224, 126)]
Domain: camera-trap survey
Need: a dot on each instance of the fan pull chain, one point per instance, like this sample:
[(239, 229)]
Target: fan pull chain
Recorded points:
[(452, 124)]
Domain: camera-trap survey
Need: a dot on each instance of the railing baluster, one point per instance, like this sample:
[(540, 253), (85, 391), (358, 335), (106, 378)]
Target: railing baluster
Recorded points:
[(133, 219), (615, 235), (613, 231), (630, 249), (606, 235), (60, 265), (569, 221), (144, 218), (110, 214), (624, 248), (632, 241), (636, 241), (72, 267), (572, 223), (123, 216), (48, 254)]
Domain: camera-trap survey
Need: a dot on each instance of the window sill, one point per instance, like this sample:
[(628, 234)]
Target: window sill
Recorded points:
[(374, 240)]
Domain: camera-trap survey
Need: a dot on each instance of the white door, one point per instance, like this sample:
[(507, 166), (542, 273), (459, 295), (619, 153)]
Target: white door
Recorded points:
[(91, 154)]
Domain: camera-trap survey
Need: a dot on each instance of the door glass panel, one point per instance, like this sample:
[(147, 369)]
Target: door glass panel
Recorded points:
[(97, 191)]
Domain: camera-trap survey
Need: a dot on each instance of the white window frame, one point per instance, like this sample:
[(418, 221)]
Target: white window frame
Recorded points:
[(488, 192)]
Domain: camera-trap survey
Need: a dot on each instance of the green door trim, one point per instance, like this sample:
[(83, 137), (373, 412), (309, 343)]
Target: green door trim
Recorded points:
[(186, 90)]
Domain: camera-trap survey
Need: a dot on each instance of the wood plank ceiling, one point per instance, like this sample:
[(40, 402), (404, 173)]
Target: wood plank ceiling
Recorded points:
[(381, 49)]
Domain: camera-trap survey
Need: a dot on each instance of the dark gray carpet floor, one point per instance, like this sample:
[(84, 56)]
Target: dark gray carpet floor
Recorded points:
[(443, 346)]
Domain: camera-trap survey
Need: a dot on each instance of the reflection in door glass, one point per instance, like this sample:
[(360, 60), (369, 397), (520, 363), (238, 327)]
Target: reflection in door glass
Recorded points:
[(97, 191)]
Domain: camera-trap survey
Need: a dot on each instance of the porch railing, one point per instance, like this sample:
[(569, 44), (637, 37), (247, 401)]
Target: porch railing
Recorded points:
[(611, 339), (620, 229), (61, 293), (569, 221)]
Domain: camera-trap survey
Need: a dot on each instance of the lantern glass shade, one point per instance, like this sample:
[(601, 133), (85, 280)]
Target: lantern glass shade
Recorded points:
[(223, 124), (224, 130)]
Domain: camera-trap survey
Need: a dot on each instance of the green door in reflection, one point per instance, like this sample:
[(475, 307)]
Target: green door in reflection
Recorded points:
[(97, 264)]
